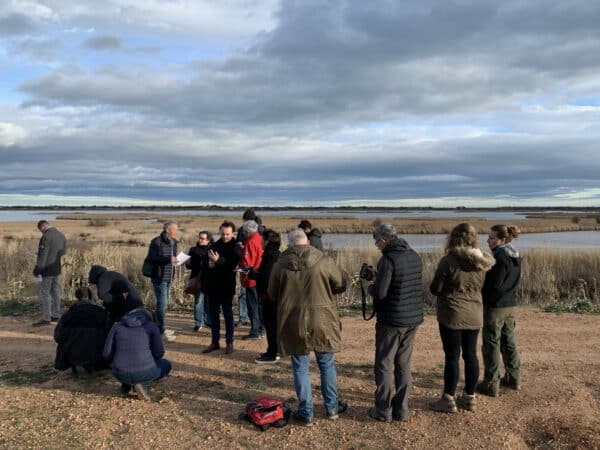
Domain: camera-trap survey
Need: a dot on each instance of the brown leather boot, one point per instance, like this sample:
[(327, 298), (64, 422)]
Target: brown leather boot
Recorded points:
[(211, 348), (228, 349)]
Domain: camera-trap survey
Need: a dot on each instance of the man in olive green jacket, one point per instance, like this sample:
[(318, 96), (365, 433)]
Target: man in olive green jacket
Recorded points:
[(303, 282)]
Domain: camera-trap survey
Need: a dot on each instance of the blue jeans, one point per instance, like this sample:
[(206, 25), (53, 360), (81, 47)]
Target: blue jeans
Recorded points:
[(128, 379), (201, 313), (243, 306), (161, 292), (215, 305), (301, 371), (254, 311)]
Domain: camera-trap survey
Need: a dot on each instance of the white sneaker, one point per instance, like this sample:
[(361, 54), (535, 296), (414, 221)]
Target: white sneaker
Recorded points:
[(168, 337), (169, 332)]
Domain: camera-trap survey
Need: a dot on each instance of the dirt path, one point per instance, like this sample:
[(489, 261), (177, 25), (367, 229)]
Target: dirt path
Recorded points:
[(198, 405)]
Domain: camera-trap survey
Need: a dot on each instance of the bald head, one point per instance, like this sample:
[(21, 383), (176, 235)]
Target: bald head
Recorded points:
[(297, 237)]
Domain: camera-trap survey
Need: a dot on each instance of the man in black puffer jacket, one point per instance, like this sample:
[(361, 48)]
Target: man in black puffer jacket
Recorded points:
[(398, 297), (80, 335), (118, 295)]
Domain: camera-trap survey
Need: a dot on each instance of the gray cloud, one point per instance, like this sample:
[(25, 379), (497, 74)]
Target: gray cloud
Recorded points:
[(103, 43), (16, 24)]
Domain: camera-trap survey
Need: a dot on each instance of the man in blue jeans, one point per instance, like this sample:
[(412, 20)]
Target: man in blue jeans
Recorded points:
[(162, 254), (303, 282)]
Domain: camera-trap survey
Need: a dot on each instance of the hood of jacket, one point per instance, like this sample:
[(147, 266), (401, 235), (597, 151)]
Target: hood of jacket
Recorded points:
[(299, 257), (316, 232), (397, 245), (471, 259), (95, 274), (508, 249), (136, 318)]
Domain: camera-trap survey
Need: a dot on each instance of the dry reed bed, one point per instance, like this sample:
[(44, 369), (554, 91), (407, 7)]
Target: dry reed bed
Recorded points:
[(548, 275)]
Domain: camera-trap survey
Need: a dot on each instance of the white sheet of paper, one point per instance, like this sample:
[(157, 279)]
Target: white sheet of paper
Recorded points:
[(181, 258)]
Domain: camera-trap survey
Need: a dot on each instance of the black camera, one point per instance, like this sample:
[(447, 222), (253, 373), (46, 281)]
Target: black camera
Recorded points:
[(367, 272)]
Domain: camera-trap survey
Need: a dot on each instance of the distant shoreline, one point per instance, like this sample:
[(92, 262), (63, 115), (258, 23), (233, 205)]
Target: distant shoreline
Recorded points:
[(567, 209)]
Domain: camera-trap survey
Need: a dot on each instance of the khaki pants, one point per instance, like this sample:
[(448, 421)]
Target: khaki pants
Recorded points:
[(499, 338), (50, 298)]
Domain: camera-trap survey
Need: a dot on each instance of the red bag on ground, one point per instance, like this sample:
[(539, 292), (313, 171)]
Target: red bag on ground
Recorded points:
[(265, 412)]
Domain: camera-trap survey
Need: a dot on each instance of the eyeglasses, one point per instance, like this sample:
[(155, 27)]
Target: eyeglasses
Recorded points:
[(203, 239)]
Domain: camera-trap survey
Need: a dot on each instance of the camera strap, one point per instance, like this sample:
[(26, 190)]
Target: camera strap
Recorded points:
[(363, 292)]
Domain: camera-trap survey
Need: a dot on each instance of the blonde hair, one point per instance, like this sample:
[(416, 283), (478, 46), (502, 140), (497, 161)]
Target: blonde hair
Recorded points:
[(506, 232), (462, 235)]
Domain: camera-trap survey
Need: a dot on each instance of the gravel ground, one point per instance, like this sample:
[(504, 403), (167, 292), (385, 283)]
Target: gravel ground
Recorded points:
[(198, 405)]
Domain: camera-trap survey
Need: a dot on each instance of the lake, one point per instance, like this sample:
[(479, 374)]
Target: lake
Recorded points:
[(35, 215), (429, 242)]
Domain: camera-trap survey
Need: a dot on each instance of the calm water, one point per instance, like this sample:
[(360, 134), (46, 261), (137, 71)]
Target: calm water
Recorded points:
[(429, 242), (35, 215)]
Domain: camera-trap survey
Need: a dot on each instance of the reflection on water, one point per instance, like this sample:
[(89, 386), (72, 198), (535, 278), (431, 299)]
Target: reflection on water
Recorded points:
[(429, 242)]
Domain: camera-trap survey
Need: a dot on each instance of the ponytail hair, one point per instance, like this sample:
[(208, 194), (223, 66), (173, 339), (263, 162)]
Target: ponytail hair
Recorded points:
[(506, 232)]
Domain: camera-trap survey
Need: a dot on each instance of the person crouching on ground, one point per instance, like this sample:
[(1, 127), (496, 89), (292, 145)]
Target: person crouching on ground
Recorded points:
[(499, 303), (457, 285), (302, 284), (271, 241), (80, 335), (135, 349), (398, 294)]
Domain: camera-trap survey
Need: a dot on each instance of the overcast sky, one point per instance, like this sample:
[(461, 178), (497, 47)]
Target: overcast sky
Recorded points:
[(430, 103)]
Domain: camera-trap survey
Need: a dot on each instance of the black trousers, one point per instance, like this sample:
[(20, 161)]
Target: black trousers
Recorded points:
[(453, 342), (269, 313)]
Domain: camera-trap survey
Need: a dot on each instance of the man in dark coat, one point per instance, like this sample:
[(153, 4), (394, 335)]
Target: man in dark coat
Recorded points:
[(198, 264), (313, 234), (271, 241), (51, 248), (117, 293), (398, 296), (80, 335), (223, 258), (162, 253)]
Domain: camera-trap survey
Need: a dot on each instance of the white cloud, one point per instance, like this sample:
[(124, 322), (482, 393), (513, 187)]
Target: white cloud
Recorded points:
[(11, 134)]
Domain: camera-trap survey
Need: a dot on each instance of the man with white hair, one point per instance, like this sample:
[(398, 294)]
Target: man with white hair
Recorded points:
[(303, 282), (162, 255), (251, 258)]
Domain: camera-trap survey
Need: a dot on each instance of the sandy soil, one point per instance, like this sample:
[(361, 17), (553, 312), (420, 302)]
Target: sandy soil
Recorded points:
[(198, 405)]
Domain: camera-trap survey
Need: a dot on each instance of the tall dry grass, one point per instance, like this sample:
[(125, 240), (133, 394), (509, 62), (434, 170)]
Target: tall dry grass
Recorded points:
[(548, 275)]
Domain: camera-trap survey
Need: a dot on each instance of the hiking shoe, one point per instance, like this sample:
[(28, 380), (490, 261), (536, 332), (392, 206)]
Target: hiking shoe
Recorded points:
[(125, 390), (81, 372), (266, 359), (197, 328), (239, 323), (228, 349), (466, 401), (141, 392), (169, 332), (511, 382), (168, 337), (301, 419), (489, 388), (40, 323), (54, 319), (373, 414), (252, 337), (211, 348), (445, 403), (341, 408)]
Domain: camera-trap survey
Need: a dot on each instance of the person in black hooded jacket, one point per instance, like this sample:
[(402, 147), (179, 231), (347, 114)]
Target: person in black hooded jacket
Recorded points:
[(80, 335), (198, 264), (314, 235), (271, 241), (117, 293), (499, 294)]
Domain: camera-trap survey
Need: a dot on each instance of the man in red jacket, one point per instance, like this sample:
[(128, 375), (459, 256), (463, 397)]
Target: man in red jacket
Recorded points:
[(251, 258)]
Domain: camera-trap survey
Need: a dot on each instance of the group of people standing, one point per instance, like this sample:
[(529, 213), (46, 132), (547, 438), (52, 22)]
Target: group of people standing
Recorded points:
[(290, 295)]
